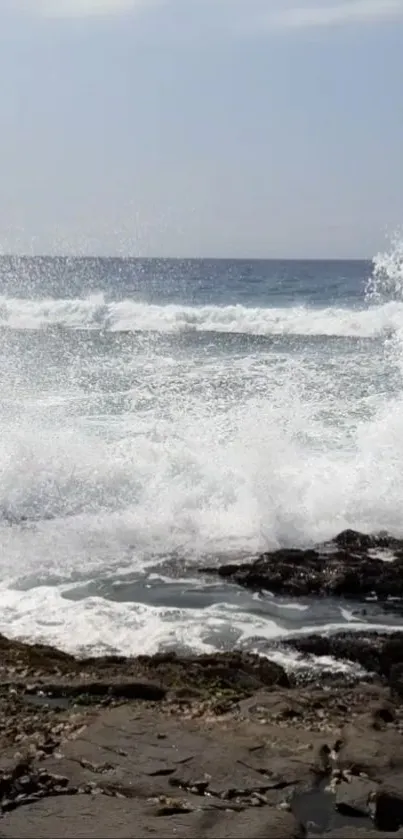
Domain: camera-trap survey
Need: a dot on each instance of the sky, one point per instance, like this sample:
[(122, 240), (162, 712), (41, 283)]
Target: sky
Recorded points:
[(221, 128)]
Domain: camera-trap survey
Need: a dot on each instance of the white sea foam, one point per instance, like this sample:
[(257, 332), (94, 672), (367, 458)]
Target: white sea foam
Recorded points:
[(97, 625), (95, 312), (202, 455), (101, 626)]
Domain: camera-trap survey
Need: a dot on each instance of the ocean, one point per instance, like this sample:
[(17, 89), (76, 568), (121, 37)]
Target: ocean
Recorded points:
[(158, 415)]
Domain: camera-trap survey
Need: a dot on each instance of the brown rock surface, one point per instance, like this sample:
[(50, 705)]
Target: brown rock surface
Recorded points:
[(209, 746), (140, 770)]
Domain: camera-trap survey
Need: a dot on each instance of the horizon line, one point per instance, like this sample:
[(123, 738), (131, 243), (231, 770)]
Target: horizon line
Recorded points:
[(188, 258)]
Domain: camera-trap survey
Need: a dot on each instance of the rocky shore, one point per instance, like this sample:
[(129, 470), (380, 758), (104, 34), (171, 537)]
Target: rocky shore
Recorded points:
[(353, 565), (223, 745)]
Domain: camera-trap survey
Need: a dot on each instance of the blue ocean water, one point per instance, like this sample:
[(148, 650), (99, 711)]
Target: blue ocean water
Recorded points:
[(156, 413), (189, 282)]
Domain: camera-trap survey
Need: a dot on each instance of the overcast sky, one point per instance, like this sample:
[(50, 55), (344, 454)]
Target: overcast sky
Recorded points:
[(201, 127)]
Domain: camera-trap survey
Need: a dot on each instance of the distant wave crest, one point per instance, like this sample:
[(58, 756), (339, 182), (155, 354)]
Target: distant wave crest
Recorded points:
[(96, 313)]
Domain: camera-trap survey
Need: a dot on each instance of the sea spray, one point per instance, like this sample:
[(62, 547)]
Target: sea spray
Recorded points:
[(138, 438)]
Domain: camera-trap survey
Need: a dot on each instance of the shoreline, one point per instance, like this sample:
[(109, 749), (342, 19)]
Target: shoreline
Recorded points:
[(200, 746), (222, 744)]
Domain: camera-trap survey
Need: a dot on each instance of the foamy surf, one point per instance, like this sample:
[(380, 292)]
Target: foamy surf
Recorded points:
[(98, 626), (97, 313), (126, 460)]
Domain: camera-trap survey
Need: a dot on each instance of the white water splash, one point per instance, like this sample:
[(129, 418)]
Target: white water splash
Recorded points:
[(204, 454), (96, 313)]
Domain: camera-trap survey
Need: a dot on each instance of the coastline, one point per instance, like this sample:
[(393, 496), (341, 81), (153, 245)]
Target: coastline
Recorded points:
[(217, 745), (208, 745)]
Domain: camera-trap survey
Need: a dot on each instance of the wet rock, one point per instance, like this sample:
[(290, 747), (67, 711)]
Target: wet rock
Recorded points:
[(363, 648), (24, 783), (221, 678), (391, 653), (364, 541), (314, 808), (343, 567), (383, 715), (379, 654), (241, 673), (388, 809), (34, 656), (350, 831), (282, 825), (208, 777), (100, 688), (353, 539), (396, 680)]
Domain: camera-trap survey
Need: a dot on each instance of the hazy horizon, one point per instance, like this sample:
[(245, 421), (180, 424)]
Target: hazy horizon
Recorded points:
[(206, 258)]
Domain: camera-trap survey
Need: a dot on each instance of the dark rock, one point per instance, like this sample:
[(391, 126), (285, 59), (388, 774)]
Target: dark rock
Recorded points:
[(155, 678), (392, 653), (362, 648), (26, 784), (34, 655), (354, 540), (377, 653), (388, 810), (21, 768), (396, 680), (350, 810), (240, 672), (343, 567), (383, 715), (122, 689)]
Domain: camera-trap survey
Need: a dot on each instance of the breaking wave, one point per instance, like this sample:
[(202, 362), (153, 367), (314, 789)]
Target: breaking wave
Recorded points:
[(119, 459), (95, 312)]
